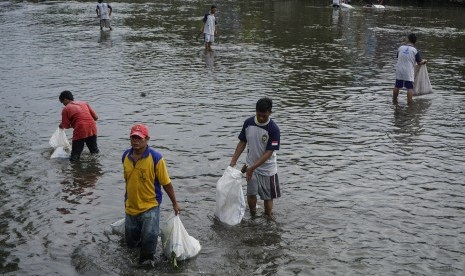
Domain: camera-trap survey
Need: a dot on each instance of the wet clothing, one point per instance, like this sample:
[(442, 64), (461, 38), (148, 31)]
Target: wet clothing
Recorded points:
[(407, 57), (79, 116), (144, 180), (142, 231), (78, 146), (260, 138)]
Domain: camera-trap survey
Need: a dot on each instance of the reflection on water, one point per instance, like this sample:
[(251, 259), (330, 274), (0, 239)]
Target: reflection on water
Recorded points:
[(407, 119), (368, 187), (209, 60), (105, 38), (82, 177)]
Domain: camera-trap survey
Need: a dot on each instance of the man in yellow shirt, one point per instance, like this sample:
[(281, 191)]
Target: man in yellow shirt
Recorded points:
[(145, 173)]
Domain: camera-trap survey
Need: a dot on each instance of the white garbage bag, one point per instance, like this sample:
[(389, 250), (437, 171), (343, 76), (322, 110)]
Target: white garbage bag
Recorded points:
[(230, 203), (176, 241), (59, 139), (117, 227), (61, 152), (421, 84), (60, 143)]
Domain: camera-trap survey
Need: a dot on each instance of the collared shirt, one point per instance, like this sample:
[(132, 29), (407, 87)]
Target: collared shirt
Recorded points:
[(144, 179)]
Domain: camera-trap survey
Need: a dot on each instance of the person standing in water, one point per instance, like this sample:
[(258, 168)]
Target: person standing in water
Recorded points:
[(262, 136), (81, 117), (407, 57), (209, 28), (145, 174), (104, 13)]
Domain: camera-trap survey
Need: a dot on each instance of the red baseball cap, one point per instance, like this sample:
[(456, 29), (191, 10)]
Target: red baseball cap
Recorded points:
[(139, 130)]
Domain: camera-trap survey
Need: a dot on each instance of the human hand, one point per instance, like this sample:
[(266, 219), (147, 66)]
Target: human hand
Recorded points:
[(176, 208), (248, 174), (60, 126)]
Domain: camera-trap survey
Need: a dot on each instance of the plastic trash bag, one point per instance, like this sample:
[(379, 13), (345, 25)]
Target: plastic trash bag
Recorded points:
[(61, 152), (230, 203), (421, 84), (59, 139), (60, 143), (117, 227), (176, 241)]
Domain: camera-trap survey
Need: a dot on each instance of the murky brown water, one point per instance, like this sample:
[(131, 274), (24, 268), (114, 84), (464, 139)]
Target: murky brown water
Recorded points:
[(368, 188)]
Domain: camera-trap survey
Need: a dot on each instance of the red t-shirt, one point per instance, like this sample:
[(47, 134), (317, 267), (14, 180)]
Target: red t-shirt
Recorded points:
[(81, 117)]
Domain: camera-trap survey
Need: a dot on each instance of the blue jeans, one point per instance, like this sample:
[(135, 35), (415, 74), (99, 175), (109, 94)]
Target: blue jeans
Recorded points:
[(142, 231)]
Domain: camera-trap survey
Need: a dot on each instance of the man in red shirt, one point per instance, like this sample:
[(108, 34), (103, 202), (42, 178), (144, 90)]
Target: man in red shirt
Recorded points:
[(81, 117)]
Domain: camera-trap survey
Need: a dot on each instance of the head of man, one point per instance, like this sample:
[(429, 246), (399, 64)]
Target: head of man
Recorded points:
[(139, 137), (66, 97), (213, 9), (100, 1), (263, 109), (412, 38)]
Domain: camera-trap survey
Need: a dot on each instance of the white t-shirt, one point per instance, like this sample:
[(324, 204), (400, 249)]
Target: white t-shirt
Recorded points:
[(103, 10), (209, 27), (407, 56)]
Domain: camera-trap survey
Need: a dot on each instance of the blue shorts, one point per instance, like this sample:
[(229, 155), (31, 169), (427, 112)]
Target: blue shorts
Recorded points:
[(266, 186), (402, 83), (142, 230)]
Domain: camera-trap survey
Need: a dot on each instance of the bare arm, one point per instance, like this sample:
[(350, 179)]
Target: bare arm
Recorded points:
[(170, 192), (258, 163), (237, 153)]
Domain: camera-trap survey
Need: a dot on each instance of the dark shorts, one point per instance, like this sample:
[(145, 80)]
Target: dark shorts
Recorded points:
[(402, 84)]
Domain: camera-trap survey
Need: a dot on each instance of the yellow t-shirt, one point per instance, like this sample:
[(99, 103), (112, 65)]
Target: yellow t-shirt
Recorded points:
[(144, 180)]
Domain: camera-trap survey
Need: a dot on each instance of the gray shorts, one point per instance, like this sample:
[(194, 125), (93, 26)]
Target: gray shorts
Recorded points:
[(265, 186), (105, 23)]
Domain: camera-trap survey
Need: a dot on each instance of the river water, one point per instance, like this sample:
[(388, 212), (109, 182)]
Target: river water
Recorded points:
[(368, 188)]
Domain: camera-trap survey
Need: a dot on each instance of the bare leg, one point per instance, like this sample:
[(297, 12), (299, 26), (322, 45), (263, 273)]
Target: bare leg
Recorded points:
[(410, 96), (268, 207), (252, 201), (395, 94)]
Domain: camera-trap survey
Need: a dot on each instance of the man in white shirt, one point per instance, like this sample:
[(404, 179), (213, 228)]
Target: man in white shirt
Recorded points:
[(407, 56), (209, 28), (104, 12)]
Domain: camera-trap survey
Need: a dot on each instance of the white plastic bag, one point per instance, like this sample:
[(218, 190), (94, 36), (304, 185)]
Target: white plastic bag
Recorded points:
[(61, 152), (117, 227), (176, 241), (59, 139), (230, 203), (421, 84), (60, 143)]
